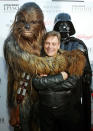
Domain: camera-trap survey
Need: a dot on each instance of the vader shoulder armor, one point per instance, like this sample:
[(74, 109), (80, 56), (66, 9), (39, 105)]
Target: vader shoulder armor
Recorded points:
[(81, 45)]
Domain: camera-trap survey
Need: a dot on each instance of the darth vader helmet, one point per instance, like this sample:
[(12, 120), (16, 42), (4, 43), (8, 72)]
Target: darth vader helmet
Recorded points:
[(63, 24)]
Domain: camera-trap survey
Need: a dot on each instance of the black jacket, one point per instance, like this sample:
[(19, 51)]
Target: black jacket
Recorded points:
[(56, 92)]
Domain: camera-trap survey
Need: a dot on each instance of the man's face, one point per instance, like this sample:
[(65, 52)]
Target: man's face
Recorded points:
[(51, 45)]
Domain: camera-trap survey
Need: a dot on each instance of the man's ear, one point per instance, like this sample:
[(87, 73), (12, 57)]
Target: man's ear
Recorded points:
[(59, 46)]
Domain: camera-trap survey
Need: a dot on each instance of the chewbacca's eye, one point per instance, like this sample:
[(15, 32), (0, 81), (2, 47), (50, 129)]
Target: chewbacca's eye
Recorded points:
[(18, 19), (33, 22), (22, 21)]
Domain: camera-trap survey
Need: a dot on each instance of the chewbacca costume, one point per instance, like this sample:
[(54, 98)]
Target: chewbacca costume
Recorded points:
[(26, 34), (19, 50)]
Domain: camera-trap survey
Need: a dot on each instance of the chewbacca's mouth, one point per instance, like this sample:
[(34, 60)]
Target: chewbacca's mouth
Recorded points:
[(27, 33)]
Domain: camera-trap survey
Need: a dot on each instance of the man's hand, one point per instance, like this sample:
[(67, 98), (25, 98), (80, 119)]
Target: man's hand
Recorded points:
[(65, 75), (43, 75)]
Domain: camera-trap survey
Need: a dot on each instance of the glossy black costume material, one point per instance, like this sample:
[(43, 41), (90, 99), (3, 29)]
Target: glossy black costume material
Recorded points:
[(72, 43)]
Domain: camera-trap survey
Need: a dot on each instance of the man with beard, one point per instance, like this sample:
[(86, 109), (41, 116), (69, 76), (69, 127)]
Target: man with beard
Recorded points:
[(64, 25)]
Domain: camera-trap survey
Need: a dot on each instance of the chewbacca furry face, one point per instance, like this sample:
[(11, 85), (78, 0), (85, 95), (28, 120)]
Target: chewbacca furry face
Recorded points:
[(28, 27)]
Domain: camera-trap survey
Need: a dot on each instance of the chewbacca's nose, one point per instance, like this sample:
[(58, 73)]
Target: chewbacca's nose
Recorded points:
[(27, 26)]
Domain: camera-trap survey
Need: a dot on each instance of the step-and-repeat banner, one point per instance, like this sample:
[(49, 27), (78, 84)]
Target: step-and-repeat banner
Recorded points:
[(81, 12)]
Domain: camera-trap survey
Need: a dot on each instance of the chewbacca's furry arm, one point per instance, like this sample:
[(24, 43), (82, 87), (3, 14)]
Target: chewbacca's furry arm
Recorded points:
[(10, 87), (13, 109), (31, 63), (72, 62)]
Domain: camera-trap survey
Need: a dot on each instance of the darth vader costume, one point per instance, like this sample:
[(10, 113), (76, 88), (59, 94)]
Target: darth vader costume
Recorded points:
[(64, 25)]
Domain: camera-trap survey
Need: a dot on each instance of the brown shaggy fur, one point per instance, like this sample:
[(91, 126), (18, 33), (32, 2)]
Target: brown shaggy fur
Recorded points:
[(27, 32), (29, 40), (72, 62)]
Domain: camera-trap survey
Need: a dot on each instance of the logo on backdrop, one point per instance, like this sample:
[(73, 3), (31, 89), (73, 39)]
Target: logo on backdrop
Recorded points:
[(11, 7), (81, 8)]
